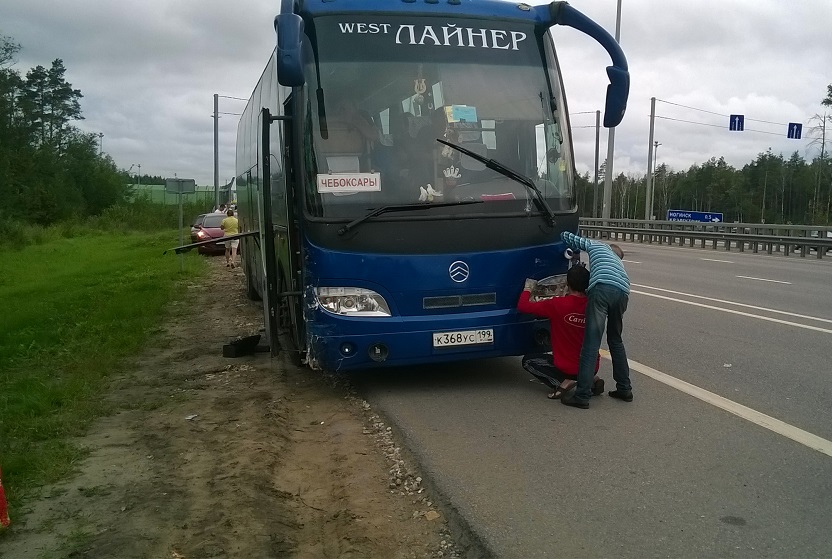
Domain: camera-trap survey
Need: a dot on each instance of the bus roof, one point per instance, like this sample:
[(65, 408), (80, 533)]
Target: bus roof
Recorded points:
[(500, 9)]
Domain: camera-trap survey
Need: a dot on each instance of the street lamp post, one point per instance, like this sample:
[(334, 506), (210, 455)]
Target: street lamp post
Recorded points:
[(216, 117), (216, 151), (611, 142), (597, 143)]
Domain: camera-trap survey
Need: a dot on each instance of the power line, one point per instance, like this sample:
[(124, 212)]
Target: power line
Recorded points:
[(690, 121), (720, 114), (718, 125), (229, 97)]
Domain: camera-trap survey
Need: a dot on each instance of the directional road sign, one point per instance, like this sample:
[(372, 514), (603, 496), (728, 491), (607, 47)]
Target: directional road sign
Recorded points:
[(795, 130), (180, 186), (690, 215), (736, 123)]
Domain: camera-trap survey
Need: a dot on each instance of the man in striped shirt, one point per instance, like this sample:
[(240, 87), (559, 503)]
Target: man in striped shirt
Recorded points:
[(608, 294)]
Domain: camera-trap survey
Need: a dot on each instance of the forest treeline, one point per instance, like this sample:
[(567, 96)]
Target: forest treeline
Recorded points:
[(770, 189), (51, 171)]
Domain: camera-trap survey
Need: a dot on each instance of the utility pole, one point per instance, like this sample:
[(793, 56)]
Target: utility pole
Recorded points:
[(765, 184), (597, 145), (820, 171), (648, 194), (611, 142), (100, 144), (655, 177)]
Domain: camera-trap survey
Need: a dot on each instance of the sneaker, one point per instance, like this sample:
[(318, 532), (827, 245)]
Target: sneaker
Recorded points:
[(598, 387), (627, 395), (571, 400)]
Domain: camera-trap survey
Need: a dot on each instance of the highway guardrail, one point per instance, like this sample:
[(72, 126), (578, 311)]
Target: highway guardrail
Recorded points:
[(754, 237)]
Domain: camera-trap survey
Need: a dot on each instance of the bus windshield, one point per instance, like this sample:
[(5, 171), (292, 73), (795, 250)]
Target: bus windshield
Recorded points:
[(381, 90)]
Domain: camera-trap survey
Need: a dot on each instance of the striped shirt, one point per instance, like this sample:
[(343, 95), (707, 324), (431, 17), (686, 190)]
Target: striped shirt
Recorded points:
[(604, 265)]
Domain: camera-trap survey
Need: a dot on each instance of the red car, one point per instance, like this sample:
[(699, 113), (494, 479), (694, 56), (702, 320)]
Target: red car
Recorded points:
[(206, 227)]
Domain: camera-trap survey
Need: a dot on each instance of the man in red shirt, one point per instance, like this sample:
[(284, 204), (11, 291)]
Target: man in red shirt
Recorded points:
[(559, 370)]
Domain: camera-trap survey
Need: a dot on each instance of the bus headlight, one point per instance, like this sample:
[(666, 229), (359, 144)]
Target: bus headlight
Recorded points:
[(553, 286), (352, 301)]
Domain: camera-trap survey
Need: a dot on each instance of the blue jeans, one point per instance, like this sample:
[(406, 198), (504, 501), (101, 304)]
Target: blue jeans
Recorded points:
[(605, 303)]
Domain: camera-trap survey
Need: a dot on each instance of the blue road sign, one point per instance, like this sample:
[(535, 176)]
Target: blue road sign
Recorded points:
[(795, 130), (690, 215), (736, 123)]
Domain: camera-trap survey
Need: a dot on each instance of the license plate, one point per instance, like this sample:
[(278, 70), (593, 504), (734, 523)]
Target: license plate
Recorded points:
[(466, 337)]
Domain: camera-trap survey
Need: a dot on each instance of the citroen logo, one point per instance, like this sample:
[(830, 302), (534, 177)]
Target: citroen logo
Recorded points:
[(459, 271)]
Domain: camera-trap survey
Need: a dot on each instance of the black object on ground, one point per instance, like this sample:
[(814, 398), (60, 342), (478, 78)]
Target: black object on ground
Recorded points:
[(241, 346)]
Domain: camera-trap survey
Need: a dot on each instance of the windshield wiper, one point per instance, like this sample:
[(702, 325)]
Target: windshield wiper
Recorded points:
[(539, 200), (402, 208)]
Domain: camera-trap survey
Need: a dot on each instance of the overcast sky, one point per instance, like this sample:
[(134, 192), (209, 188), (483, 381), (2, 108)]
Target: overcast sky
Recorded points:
[(148, 72)]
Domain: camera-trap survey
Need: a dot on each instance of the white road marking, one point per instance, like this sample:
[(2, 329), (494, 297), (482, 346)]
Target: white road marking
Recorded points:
[(763, 279), (807, 317), (715, 260), (772, 424), (732, 311), (631, 261)]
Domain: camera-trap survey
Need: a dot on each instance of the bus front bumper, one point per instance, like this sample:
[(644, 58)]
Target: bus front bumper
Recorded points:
[(418, 341)]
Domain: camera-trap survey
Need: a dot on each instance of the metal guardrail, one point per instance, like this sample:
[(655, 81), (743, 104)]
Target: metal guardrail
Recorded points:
[(785, 239)]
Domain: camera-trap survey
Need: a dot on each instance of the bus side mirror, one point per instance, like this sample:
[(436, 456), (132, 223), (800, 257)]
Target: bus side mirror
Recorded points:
[(561, 13), (617, 93), (289, 29)]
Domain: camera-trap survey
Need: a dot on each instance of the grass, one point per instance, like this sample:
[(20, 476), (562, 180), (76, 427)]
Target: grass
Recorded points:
[(74, 309), (138, 215)]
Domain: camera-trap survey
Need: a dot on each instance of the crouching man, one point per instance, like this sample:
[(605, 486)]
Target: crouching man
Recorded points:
[(559, 370)]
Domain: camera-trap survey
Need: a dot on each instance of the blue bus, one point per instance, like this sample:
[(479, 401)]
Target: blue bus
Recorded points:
[(406, 164)]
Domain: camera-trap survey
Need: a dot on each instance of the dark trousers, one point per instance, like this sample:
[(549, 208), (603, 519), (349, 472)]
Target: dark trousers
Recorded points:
[(605, 305), (542, 367)]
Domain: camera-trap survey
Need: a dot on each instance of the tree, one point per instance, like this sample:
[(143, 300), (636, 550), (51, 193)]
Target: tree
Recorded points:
[(8, 50), (50, 103), (827, 101), (820, 137), (10, 84), (49, 170)]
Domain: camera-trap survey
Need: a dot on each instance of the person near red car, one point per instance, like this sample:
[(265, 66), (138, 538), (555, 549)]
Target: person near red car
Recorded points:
[(206, 227), (230, 226)]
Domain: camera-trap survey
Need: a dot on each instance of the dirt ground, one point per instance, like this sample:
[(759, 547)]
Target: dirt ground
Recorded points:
[(207, 456)]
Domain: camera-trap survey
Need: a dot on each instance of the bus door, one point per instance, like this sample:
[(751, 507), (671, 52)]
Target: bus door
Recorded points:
[(291, 268), (281, 247)]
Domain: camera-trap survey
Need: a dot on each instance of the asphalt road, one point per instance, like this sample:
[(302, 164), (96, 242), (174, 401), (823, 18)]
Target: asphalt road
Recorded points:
[(686, 470)]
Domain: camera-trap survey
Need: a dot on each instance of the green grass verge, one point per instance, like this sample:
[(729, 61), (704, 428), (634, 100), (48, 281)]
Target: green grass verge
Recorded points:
[(73, 310)]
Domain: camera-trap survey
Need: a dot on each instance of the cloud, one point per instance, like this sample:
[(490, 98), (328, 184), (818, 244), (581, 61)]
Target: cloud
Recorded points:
[(761, 59), (149, 70)]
